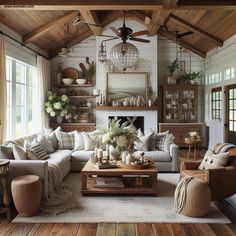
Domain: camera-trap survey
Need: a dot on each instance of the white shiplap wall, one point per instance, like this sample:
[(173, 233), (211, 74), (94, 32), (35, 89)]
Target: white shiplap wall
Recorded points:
[(218, 60)]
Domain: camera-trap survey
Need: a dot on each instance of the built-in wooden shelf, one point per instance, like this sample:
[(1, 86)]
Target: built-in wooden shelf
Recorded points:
[(124, 108), (83, 96), (84, 108), (73, 85)]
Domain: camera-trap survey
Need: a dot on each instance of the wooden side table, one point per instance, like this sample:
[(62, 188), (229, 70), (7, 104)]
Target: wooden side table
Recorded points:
[(192, 143), (4, 175)]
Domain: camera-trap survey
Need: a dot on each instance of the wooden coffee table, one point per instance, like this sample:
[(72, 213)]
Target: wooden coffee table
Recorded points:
[(142, 181)]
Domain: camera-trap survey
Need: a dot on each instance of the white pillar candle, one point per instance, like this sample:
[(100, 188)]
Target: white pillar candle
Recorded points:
[(96, 152), (100, 153)]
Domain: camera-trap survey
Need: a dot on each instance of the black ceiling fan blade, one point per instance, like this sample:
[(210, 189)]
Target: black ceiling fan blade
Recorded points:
[(115, 31), (178, 36), (139, 33), (140, 40)]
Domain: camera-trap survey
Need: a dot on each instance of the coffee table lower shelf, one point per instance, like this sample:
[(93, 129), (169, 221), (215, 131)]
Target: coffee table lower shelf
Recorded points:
[(90, 189)]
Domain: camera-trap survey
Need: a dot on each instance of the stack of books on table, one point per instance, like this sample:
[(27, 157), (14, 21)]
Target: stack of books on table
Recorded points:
[(109, 182)]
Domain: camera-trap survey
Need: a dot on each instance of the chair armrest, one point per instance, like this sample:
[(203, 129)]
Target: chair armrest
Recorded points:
[(174, 153), (221, 181), (189, 165), (30, 167)]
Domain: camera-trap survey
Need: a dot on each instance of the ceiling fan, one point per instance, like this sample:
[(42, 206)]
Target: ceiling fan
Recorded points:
[(176, 34), (125, 33)]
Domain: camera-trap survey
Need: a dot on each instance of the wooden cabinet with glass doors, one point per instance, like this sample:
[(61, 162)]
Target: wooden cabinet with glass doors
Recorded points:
[(180, 103)]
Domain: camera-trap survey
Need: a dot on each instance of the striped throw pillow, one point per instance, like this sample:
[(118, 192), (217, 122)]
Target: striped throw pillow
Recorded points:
[(65, 140), (36, 152)]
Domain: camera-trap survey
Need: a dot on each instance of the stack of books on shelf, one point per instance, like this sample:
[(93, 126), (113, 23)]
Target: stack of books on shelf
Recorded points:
[(109, 182)]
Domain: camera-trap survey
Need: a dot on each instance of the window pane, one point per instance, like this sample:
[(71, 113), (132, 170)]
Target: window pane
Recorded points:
[(20, 94), (231, 115), (20, 73), (19, 122), (231, 126)]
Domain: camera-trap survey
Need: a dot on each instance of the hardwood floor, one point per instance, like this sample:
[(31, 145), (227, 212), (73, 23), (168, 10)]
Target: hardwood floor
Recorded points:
[(104, 229)]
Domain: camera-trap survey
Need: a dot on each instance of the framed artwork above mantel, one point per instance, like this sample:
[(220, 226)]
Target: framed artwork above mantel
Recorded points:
[(121, 86)]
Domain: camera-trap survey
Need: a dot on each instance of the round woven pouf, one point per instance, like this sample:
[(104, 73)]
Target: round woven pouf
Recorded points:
[(26, 194), (197, 198)]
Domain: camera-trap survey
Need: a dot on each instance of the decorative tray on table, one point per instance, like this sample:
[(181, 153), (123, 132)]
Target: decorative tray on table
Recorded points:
[(136, 165)]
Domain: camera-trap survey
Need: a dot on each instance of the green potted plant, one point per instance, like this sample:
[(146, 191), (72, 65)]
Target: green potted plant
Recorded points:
[(88, 72), (174, 65), (192, 78)]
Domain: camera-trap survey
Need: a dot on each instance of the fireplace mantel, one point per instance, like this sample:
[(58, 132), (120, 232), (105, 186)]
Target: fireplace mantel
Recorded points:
[(126, 108)]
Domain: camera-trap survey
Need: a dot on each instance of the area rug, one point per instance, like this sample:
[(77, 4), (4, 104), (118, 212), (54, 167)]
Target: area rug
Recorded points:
[(126, 209)]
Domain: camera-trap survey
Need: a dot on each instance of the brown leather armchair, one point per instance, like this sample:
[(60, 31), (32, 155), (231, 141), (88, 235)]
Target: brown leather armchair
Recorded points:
[(222, 181)]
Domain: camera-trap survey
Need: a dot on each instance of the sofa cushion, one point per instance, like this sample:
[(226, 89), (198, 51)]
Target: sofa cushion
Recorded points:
[(157, 156), (81, 155), (65, 140), (59, 158)]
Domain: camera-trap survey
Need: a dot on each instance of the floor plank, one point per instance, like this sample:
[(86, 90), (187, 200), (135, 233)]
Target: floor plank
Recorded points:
[(69, 229), (161, 229), (105, 229), (204, 229), (57, 228), (22, 229), (189, 230), (221, 230), (7, 227), (87, 230), (44, 229), (125, 230), (33, 230), (144, 230), (177, 230)]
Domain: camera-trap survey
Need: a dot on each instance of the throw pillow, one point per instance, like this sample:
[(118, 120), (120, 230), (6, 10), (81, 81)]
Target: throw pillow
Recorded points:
[(79, 141), (165, 141), (36, 152), (144, 143), (45, 143), (19, 153), (52, 137), (6, 152), (65, 140), (155, 139), (89, 142), (213, 161)]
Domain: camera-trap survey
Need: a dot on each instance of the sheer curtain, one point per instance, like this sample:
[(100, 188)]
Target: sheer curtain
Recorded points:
[(3, 90), (43, 73)]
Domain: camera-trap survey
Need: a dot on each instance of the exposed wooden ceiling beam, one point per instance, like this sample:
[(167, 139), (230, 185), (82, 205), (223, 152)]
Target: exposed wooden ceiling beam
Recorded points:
[(81, 4), (207, 4), (91, 17), (73, 41), (182, 43), (110, 17), (39, 32), (139, 16), (196, 30)]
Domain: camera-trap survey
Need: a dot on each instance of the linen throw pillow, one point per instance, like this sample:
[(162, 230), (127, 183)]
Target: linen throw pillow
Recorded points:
[(89, 141), (155, 139), (65, 140), (45, 143), (51, 136), (19, 153), (213, 161), (79, 141), (144, 143), (36, 152), (6, 152), (165, 141)]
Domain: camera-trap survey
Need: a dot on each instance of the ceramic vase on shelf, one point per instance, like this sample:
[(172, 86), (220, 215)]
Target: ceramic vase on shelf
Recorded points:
[(59, 119)]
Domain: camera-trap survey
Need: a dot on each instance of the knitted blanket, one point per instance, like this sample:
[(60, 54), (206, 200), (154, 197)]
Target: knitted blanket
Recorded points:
[(181, 194), (59, 198)]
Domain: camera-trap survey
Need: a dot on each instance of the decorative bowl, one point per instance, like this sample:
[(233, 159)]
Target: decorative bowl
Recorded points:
[(81, 81), (67, 81)]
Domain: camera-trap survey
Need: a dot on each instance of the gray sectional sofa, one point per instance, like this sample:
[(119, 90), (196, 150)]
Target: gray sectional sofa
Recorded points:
[(69, 160)]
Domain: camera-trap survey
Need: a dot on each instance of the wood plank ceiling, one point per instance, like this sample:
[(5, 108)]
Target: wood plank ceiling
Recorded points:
[(210, 25)]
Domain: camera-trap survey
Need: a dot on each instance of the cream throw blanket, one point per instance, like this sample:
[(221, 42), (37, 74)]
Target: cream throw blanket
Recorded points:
[(59, 198), (181, 194)]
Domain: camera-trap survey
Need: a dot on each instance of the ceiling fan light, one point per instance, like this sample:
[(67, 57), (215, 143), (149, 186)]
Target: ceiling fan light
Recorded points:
[(124, 55)]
